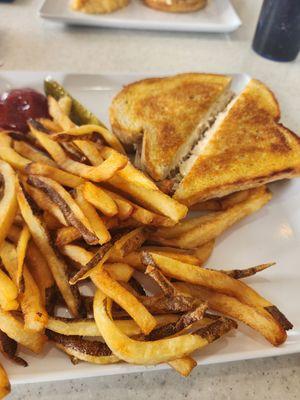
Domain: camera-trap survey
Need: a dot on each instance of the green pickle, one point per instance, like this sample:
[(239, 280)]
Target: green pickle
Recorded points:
[(79, 114)]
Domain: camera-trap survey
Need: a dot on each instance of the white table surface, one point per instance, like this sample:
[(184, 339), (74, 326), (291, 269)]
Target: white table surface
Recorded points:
[(29, 43)]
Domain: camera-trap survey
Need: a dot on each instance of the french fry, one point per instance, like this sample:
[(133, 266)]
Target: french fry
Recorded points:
[(118, 271), (21, 253), (8, 154), (32, 153), (35, 315), (39, 269), (232, 307), (184, 365), (152, 198), (75, 133), (62, 177), (58, 114), (66, 235), (46, 204), (86, 350), (41, 239), (93, 217), (125, 208), (4, 383), (51, 222), (125, 299), (33, 341), (71, 211), (90, 150), (197, 231), (246, 272), (95, 264), (219, 282), (148, 352), (8, 293), (99, 199), (36, 263), (49, 124), (97, 174), (129, 242), (8, 202), (32, 305), (132, 174), (88, 327), (65, 104)]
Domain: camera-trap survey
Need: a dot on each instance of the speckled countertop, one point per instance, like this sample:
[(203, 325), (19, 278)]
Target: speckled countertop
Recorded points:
[(29, 43)]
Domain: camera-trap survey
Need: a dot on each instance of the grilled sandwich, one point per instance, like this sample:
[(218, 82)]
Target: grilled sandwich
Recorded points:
[(246, 147), (176, 6), (164, 117)]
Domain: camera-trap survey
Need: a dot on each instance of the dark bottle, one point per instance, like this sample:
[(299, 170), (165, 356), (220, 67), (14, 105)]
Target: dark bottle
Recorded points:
[(277, 35)]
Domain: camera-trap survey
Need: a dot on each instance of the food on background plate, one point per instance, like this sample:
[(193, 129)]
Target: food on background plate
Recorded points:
[(98, 6), (176, 6), (73, 208), (240, 145)]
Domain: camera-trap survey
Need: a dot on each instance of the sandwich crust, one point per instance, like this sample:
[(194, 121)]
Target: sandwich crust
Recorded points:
[(176, 6), (248, 149)]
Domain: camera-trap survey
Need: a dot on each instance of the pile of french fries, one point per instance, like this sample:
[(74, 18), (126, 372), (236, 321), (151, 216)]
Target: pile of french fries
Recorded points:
[(73, 209)]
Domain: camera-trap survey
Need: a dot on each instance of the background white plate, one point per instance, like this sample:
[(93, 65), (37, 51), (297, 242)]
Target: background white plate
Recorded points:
[(272, 234), (218, 16)]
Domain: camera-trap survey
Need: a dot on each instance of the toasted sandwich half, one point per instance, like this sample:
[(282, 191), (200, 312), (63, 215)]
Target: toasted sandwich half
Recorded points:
[(164, 117), (246, 147)]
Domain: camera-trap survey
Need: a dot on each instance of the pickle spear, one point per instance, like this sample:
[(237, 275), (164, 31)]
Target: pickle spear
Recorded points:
[(79, 114)]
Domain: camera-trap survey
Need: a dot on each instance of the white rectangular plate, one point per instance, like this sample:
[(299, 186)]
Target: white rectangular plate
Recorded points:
[(218, 16), (272, 234)]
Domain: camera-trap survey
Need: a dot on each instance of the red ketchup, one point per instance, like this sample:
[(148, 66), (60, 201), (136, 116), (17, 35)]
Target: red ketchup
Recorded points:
[(18, 106)]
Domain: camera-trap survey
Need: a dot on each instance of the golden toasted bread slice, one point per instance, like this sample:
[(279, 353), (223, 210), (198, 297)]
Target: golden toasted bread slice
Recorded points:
[(164, 117), (176, 6), (246, 147), (98, 6)]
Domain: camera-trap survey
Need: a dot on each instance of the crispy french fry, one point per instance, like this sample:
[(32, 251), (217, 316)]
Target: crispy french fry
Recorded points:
[(41, 239), (246, 272), (153, 352), (32, 153), (51, 222), (8, 154), (66, 235), (33, 341), (50, 125), (95, 352), (8, 202), (90, 150), (95, 264), (88, 327), (4, 383), (99, 199), (125, 299), (219, 282), (197, 231), (125, 208), (58, 114), (132, 174), (129, 242), (152, 198), (184, 365), (45, 203), (62, 177), (21, 253), (93, 217), (71, 211), (76, 132), (232, 307), (65, 104), (97, 174), (8, 293), (32, 306)]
